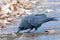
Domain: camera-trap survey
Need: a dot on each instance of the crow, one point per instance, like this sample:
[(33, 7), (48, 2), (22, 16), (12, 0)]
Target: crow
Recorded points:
[(34, 21)]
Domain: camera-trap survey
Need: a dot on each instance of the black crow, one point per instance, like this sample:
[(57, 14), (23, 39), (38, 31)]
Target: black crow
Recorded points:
[(34, 21)]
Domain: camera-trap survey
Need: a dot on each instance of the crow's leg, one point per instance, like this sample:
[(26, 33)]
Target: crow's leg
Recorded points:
[(35, 29), (37, 26), (30, 30)]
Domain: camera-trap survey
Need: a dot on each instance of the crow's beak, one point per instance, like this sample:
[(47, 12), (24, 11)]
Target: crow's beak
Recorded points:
[(18, 30)]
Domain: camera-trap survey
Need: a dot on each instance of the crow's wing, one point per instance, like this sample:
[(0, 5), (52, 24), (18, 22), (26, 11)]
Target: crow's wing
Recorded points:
[(36, 20), (24, 22)]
